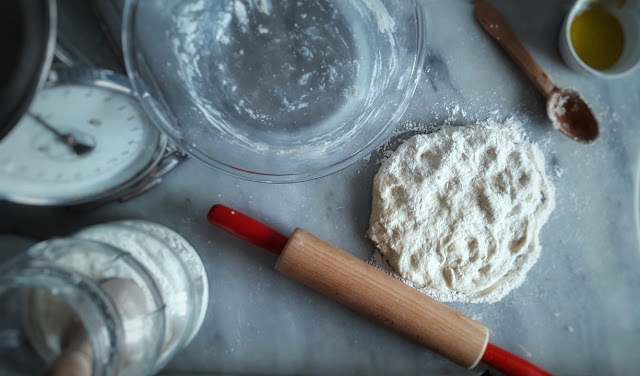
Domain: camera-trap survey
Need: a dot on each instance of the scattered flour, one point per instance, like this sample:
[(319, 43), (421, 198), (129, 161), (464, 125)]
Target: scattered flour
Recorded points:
[(559, 171), (457, 213), (525, 351)]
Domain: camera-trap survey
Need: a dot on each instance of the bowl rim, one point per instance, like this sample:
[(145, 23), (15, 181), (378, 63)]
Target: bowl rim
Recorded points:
[(162, 123)]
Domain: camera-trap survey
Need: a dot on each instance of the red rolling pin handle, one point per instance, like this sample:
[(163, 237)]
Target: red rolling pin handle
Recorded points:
[(257, 233), (509, 363), (247, 229)]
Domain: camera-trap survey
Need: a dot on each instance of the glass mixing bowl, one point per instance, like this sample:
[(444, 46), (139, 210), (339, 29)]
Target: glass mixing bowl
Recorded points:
[(275, 90)]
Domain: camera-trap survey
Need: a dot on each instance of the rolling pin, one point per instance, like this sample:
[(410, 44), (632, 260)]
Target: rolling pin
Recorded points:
[(374, 294)]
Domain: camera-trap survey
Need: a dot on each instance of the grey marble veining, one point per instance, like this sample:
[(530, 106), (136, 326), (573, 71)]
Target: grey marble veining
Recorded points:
[(578, 311)]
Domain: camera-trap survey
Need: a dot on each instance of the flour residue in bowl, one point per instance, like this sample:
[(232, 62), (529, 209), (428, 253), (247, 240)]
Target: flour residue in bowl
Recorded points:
[(383, 19), (283, 75)]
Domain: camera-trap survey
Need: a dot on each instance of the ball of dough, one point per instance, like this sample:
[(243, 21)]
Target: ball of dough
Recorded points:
[(458, 211)]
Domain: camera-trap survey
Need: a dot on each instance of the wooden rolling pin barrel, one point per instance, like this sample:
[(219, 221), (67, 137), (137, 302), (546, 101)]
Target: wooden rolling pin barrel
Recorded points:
[(374, 294), (377, 295)]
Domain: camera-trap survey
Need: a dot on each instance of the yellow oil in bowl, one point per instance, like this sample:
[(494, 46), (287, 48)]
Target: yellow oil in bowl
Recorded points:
[(597, 37)]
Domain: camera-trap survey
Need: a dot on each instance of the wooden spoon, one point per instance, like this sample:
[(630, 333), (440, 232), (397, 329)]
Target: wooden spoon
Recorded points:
[(568, 112), (76, 357)]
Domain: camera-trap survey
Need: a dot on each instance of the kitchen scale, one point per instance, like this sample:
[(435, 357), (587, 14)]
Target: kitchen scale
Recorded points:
[(84, 140)]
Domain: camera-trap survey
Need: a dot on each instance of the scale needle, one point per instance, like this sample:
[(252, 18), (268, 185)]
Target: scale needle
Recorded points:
[(78, 147)]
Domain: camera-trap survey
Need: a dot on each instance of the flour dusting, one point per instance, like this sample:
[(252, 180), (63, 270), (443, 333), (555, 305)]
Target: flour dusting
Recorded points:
[(457, 213)]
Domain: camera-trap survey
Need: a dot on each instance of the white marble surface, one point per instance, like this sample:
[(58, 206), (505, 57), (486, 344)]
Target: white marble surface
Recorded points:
[(579, 310)]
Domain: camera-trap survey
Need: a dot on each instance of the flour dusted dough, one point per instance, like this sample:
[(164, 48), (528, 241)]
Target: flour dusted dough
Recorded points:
[(458, 212)]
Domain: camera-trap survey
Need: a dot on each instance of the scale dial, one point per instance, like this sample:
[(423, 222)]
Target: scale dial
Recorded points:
[(38, 167)]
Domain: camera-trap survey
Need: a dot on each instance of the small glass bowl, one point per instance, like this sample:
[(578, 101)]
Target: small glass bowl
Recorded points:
[(275, 91)]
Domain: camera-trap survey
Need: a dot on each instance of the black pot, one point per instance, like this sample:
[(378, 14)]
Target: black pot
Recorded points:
[(27, 42)]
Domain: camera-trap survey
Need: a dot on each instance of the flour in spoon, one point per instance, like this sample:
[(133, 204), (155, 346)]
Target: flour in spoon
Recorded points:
[(457, 213)]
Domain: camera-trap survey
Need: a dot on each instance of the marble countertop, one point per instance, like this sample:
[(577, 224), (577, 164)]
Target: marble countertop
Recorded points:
[(578, 311)]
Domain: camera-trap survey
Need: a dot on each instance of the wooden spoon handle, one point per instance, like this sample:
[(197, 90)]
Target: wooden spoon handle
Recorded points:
[(73, 362), (76, 357), (495, 25)]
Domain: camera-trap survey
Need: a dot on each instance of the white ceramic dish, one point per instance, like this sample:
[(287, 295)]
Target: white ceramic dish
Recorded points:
[(627, 12)]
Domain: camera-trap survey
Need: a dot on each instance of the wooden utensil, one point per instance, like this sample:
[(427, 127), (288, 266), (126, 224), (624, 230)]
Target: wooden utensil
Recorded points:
[(374, 294), (76, 357), (568, 112)]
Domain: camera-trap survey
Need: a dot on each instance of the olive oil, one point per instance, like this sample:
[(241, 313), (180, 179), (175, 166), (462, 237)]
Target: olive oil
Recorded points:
[(597, 37)]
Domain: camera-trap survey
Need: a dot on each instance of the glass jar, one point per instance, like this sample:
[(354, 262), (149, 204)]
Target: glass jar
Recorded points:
[(113, 299)]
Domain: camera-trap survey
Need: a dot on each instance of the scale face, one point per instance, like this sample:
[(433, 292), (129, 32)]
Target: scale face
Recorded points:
[(40, 163)]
